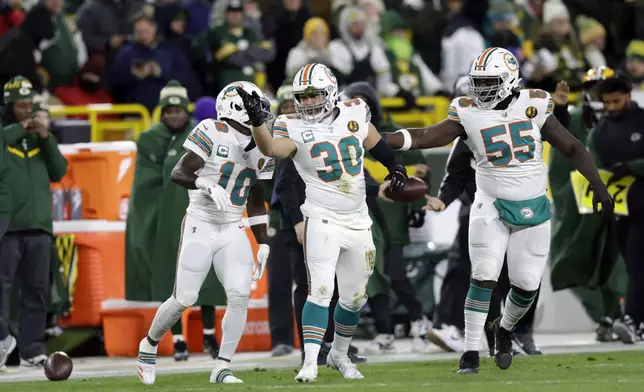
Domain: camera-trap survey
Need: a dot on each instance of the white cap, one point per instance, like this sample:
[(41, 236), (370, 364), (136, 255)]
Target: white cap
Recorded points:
[(553, 9)]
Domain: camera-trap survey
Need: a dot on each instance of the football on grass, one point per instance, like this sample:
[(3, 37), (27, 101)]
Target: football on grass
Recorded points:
[(414, 190), (58, 366)]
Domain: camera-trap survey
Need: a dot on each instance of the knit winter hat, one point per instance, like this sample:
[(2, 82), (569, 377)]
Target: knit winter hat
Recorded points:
[(635, 49), (174, 94), (553, 9), (314, 24), (589, 29), (390, 21), (17, 89), (205, 108), (284, 93)]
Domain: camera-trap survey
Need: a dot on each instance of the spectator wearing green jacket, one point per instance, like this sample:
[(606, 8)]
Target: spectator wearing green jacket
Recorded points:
[(34, 161)]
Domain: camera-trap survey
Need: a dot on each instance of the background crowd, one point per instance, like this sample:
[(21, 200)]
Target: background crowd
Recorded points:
[(169, 53)]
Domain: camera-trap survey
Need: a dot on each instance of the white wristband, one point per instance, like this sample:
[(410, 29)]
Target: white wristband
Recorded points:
[(258, 220), (407, 139)]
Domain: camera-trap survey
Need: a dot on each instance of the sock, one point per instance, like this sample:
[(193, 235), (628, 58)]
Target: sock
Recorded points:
[(147, 352), (477, 304), (232, 326), (516, 305), (314, 323), (208, 318), (345, 322), (167, 315)]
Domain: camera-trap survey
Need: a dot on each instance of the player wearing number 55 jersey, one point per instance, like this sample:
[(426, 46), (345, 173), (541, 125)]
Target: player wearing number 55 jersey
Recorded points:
[(221, 169), (326, 140), (504, 127)]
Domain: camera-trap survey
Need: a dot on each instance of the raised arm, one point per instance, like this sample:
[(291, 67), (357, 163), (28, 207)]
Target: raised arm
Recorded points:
[(273, 147), (184, 173), (559, 137), (436, 135), (259, 112)]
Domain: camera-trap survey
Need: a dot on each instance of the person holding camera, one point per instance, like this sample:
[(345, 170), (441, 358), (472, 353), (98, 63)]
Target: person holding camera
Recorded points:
[(25, 249)]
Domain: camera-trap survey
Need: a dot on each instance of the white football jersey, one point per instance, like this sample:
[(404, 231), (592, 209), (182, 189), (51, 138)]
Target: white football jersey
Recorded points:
[(229, 165), (507, 144), (329, 158)]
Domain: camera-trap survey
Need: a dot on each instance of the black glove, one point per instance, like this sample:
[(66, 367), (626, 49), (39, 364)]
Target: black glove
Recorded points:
[(398, 177), (601, 196), (619, 171), (258, 108), (416, 218)]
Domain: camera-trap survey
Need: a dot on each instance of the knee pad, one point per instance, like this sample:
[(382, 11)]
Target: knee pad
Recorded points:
[(175, 305), (527, 280), (186, 297), (319, 300), (237, 301), (354, 305), (485, 267)]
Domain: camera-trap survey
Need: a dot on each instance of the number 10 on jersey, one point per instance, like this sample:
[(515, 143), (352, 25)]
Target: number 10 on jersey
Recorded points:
[(500, 153)]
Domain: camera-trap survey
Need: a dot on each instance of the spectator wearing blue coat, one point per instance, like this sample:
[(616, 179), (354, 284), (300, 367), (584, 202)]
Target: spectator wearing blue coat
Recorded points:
[(143, 67)]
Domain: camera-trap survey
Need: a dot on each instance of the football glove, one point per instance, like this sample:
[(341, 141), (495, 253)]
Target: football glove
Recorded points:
[(215, 192), (398, 178), (258, 108), (262, 257)]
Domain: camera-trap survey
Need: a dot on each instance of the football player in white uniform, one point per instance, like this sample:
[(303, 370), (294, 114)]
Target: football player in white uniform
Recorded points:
[(326, 140), (504, 127), (221, 169)]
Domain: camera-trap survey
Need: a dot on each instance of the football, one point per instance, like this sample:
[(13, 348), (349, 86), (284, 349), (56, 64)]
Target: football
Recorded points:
[(58, 366), (414, 190)]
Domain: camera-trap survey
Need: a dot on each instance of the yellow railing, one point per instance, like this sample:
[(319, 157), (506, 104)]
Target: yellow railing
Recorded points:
[(98, 127), (430, 110)]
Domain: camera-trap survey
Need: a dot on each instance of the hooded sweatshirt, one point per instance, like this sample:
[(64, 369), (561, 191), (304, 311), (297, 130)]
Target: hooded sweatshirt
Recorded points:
[(349, 51)]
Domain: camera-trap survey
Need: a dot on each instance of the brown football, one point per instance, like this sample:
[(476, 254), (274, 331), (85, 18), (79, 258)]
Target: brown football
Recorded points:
[(58, 366), (414, 190)]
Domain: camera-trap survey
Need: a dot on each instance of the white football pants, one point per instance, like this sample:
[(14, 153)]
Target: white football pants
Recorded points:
[(204, 245), (489, 240), (330, 249)]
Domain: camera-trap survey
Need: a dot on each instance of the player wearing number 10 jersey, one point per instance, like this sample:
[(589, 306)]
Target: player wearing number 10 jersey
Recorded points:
[(504, 127), (326, 141), (221, 169)]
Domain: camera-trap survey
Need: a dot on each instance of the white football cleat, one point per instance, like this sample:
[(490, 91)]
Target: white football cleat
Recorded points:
[(448, 338), (308, 373), (146, 361), (381, 344), (224, 376), (344, 365)]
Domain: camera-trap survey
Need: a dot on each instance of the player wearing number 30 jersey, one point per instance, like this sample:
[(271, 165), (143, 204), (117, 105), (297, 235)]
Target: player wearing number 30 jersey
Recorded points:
[(221, 169), (504, 127), (326, 141)]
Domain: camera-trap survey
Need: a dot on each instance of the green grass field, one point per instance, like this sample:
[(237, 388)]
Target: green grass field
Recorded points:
[(605, 372)]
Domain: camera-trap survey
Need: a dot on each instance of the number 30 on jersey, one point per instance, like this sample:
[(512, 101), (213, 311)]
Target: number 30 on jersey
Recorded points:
[(499, 152), (346, 157)]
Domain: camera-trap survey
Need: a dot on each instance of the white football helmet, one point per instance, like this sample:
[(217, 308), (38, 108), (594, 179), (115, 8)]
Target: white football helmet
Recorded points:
[(494, 75), (230, 105), (314, 81)]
